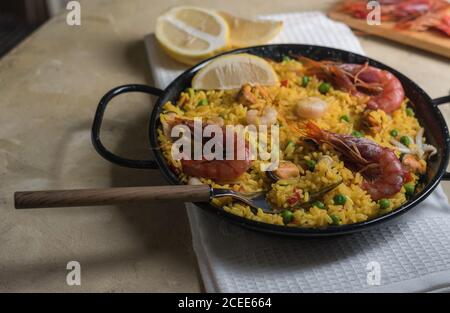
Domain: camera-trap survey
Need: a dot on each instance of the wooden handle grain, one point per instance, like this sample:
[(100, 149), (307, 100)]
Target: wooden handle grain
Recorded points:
[(91, 197)]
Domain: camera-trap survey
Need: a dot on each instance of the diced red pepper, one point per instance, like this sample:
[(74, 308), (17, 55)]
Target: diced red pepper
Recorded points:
[(407, 177), (294, 199), (284, 83)]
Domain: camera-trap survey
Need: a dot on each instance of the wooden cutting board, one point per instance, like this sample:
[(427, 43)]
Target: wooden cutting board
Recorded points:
[(428, 40)]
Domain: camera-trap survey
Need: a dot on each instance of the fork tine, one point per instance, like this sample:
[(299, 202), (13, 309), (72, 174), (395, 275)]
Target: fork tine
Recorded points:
[(256, 200), (314, 196)]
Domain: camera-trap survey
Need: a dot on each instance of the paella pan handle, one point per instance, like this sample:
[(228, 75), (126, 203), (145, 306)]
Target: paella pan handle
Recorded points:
[(439, 101), (97, 124)]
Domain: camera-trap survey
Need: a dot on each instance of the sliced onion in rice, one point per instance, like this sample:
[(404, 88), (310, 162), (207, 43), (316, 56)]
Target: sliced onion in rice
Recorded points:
[(401, 147), (326, 159), (430, 148), (420, 149), (419, 138)]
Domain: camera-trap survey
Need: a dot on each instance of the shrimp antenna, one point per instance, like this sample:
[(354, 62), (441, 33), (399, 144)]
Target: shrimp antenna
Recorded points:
[(297, 130)]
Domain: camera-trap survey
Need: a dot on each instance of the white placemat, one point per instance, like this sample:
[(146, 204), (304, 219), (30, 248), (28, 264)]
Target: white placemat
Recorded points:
[(412, 253)]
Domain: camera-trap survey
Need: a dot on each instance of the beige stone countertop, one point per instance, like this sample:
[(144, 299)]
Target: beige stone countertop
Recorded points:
[(49, 89)]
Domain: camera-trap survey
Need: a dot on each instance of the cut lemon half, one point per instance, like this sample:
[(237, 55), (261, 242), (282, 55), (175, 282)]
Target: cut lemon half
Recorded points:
[(234, 70), (246, 32), (190, 34)]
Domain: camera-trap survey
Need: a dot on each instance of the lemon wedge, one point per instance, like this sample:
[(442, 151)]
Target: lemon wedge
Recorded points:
[(234, 70), (247, 32), (190, 34)]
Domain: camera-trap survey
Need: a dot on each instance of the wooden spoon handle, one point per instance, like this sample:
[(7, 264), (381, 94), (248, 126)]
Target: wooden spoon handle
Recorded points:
[(91, 197)]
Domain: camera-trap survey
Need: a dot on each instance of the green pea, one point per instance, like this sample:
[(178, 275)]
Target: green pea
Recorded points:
[(305, 81), (339, 199), (311, 164), (344, 118), (286, 58), (290, 144), (384, 203), (357, 134), (394, 133), (409, 188), (409, 112), (405, 140), (319, 204), (336, 220), (202, 102), (324, 88), (287, 216)]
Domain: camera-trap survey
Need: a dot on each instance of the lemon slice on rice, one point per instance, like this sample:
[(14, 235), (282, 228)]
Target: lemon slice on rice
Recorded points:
[(251, 32), (191, 34), (234, 70)]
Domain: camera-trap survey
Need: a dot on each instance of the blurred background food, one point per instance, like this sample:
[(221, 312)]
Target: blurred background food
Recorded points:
[(191, 34), (416, 15), (424, 24)]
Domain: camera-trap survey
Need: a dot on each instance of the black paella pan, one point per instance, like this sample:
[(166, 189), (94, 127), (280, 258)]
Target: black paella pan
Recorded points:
[(426, 110)]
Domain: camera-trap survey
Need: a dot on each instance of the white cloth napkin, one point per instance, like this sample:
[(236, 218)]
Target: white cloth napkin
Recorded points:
[(412, 253)]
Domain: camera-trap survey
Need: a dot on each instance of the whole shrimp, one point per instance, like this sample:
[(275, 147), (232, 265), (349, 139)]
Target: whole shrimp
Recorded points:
[(382, 170), (383, 89), (221, 171)]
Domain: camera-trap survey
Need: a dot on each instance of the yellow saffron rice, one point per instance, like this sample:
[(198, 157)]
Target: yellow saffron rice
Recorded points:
[(329, 166)]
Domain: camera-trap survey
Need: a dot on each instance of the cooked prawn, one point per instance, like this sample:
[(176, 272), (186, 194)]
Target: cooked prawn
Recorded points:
[(218, 170), (383, 89), (371, 124), (248, 94), (311, 108), (245, 95), (268, 116), (390, 93), (382, 170)]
